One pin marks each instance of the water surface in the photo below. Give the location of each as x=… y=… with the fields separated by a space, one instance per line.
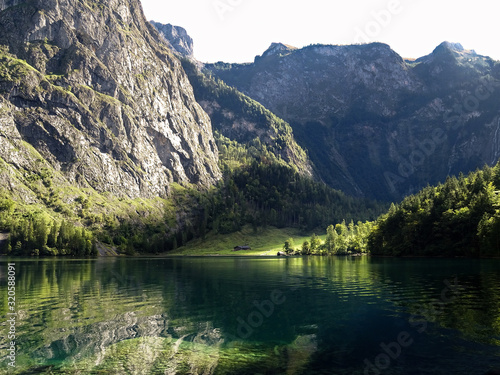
x=224 y=315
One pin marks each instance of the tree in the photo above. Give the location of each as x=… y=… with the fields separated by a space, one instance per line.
x=331 y=239
x=52 y=238
x=41 y=230
x=288 y=246
x=341 y=240
x=315 y=242
x=306 y=248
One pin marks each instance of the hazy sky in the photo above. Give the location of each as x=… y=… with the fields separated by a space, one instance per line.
x=238 y=30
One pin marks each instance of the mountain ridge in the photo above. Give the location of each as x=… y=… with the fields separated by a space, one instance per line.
x=177 y=38
x=241 y=119
x=362 y=111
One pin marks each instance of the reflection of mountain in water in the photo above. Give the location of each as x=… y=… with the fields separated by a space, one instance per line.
x=180 y=315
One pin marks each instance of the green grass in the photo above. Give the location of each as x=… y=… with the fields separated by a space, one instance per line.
x=263 y=242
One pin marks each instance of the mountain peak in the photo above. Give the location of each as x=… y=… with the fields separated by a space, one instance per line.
x=457 y=47
x=448 y=52
x=278 y=49
x=177 y=38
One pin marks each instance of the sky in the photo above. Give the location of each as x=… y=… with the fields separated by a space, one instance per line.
x=238 y=30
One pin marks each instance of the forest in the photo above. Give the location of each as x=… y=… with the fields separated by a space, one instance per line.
x=256 y=189
x=458 y=218
x=37 y=233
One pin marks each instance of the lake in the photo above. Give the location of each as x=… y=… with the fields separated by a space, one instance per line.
x=253 y=315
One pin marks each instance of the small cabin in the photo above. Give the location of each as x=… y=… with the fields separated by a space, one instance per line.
x=244 y=247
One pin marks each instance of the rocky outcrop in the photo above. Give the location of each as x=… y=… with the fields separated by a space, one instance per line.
x=177 y=38
x=88 y=89
x=375 y=125
x=242 y=119
x=278 y=49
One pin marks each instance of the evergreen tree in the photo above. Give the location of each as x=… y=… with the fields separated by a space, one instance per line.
x=331 y=239
x=288 y=246
x=315 y=242
x=306 y=248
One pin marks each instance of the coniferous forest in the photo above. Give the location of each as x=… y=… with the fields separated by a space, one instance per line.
x=460 y=217
x=260 y=194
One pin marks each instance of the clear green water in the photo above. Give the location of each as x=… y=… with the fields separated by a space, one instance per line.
x=225 y=315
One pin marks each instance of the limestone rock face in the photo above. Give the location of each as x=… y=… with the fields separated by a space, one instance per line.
x=90 y=88
x=177 y=37
x=233 y=114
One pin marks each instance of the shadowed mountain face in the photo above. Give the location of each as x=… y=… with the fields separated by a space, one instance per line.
x=88 y=89
x=374 y=124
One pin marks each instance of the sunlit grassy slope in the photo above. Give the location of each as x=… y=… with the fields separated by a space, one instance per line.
x=263 y=242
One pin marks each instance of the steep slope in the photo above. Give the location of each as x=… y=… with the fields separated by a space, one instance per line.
x=89 y=91
x=177 y=38
x=235 y=115
x=247 y=122
x=374 y=124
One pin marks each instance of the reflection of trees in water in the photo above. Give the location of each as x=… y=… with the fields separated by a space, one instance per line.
x=105 y=314
x=180 y=314
x=425 y=289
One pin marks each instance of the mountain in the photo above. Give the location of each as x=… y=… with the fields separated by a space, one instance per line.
x=177 y=38
x=236 y=116
x=104 y=147
x=376 y=125
x=277 y=49
x=243 y=120
x=90 y=92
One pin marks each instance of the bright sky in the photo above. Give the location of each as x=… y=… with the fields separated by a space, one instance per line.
x=238 y=30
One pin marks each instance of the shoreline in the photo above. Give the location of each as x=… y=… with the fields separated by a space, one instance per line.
x=156 y=256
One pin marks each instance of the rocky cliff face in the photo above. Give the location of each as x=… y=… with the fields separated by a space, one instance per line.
x=374 y=124
x=89 y=87
x=234 y=115
x=177 y=38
